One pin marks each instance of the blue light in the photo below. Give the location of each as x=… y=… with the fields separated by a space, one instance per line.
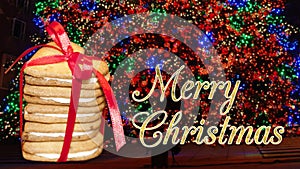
x=89 y=5
x=242 y=86
x=6 y=108
x=210 y=36
x=284 y=41
x=279 y=30
x=205 y=40
x=38 y=22
x=146 y=5
x=238 y=3
x=276 y=29
x=55 y=17
x=277 y=11
x=153 y=61
x=282 y=37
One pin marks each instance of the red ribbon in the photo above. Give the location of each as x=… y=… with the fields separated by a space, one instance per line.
x=74 y=59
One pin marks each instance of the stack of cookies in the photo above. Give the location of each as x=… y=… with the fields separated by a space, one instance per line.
x=47 y=92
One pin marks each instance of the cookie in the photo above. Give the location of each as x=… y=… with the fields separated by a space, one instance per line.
x=54 y=109
x=60 y=118
x=63 y=92
x=89 y=102
x=92 y=83
x=51 y=157
x=61 y=127
x=59 y=70
x=50 y=117
x=50 y=151
x=40 y=136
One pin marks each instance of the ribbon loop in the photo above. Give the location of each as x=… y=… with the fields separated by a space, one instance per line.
x=60 y=37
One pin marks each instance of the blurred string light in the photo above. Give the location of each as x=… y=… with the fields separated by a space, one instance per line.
x=9 y=120
x=252 y=38
x=89 y=5
x=55 y=17
x=153 y=61
x=281 y=30
x=38 y=22
x=238 y=3
x=210 y=36
x=249 y=6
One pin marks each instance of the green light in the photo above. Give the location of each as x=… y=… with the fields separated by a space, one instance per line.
x=286 y=72
x=250 y=7
x=245 y=40
x=42 y=5
x=74 y=33
x=236 y=22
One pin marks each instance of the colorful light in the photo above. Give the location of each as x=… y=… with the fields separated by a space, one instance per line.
x=251 y=37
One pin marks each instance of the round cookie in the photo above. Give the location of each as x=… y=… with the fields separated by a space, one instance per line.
x=55 y=109
x=60 y=92
x=61 y=127
x=60 y=102
x=92 y=83
x=51 y=117
x=77 y=136
x=50 y=151
x=60 y=118
x=34 y=157
x=59 y=70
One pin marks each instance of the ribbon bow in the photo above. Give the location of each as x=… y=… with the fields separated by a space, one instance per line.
x=81 y=67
